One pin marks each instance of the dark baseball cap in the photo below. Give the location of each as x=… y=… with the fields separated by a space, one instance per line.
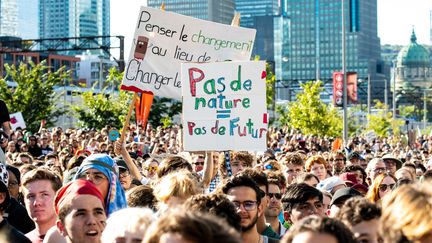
x=121 y=164
x=344 y=193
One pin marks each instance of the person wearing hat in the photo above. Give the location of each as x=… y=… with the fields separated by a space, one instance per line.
x=7 y=232
x=392 y=164
x=354 y=158
x=102 y=170
x=339 y=198
x=81 y=213
x=124 y=174
x=331 y=184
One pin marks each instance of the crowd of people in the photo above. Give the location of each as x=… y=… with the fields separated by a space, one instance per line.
x=83 y=185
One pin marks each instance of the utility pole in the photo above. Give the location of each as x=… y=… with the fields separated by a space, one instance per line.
x=345 y=103
x=369 y=96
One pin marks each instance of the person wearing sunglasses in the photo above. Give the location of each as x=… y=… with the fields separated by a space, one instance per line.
x=150 y=168
x=381 y=186
x=274 y=207
x=198 y=162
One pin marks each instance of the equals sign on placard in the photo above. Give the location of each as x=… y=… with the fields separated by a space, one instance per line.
x=223 y=114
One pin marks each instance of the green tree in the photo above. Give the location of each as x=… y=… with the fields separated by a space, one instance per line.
x=311 y=115
x=163 y=110
x=108 y=107
x=34 y=93
x=382 y=123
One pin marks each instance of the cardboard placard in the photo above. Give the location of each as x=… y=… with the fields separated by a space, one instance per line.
x=163 y=40
x=224 y=106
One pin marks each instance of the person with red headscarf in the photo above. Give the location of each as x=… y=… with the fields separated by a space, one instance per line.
x=81 y=212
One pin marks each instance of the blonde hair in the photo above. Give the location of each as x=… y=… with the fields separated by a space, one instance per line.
x=182 y=184
x=407 y=213
x=127 y=220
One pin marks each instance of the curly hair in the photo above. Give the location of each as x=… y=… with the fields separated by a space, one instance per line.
x=293 y=158
x=215 y=204
x=141 y=196
x=356 y=210
x=239 y=155
x=193 y=227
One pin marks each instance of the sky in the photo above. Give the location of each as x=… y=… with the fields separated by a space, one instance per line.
x=396 y=19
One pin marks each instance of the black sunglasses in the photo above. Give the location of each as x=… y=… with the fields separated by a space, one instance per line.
x=278 y=196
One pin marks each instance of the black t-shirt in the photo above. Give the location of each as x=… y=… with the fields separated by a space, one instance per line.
x=4 y=112
x=17 y=216
x=10 y=234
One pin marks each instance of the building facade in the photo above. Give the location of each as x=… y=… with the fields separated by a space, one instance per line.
x=413 y=71
x=221 y=11
x=74 y=18
x=249 y=9
x=92 y=70
x=316 y=41
x=8 y=18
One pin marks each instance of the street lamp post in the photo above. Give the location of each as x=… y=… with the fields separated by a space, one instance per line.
x=369 y=97
x=394 y=90
x=345 y=103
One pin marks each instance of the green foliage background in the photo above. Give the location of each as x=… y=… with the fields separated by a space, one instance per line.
x=34 y=94
x=310 y=114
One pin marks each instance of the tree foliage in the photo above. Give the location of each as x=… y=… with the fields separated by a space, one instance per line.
x=106 y=107
x=110 y=108
x=34 y=94
x=382 y=123
x=311 y=115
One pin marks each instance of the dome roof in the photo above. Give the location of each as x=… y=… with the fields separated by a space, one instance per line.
x=413 y=54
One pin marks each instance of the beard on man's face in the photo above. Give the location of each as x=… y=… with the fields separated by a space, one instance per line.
x=251 y=225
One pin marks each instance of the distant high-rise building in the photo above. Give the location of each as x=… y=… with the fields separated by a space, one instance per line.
x=74 y=18
x=316 y=40
x=269 y=18
x=220 y=11
x=249 y=9
x=8 y=18
x=19 y=18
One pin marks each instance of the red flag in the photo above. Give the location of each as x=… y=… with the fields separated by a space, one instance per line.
x=142 y=108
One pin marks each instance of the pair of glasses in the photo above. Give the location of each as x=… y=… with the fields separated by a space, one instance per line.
x=151 y=168
x=379 y=170
x=384 y=187
x=278 y=196
x=124 y=175
x=198 y=163
x=247 y=205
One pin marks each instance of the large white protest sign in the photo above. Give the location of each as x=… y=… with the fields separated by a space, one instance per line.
x=17 y=121
x=224 y=106
x=164 y=40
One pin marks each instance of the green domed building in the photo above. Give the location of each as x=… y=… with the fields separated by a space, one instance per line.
x=413 y=68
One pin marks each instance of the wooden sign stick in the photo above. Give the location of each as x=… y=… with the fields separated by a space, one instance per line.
x=126 y=123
